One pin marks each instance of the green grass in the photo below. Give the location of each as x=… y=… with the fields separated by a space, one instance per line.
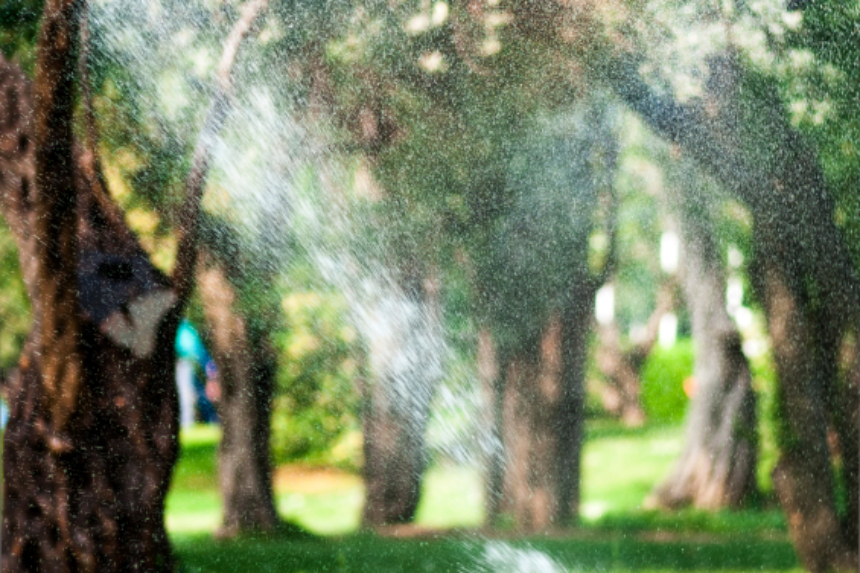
x=361 y=553
x=620 y=467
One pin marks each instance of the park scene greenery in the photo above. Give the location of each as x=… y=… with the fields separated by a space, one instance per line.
x=501 y=285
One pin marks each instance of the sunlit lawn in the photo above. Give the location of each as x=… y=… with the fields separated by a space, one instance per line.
x=619 y=469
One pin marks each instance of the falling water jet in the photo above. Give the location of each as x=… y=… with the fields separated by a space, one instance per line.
x=272 y=173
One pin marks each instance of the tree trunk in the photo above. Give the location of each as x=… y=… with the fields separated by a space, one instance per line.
x=804 y=275
x=91 y=439
x=803 y=478
x=542 y=424
x=717 y=466
x=92 y=435
x=848 y=427
x=405 y=365
x=246 y=369
x=536 y=291
x=491 y=421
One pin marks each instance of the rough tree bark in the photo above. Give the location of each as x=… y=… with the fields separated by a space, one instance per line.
x=542 y=422
x=91 y=439
x=717 y=466
x=404 y=367
x=92 y=434
x=246 y=369
x=803 y=275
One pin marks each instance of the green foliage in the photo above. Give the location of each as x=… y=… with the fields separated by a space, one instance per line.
x=19 y=23
x=14 y=303
x=317 y=399
x=639 y=224
x=766 y=387
x=823 y=94
x=663 y=376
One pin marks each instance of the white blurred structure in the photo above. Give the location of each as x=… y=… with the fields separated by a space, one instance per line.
x=669 y=249
x=734 y=295
x=604 y=304
x=736 y=258
x=668 y=332
x=187 y=394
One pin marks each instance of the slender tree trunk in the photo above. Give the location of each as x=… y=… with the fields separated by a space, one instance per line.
x=492 y=447
x=717 y=466
x=246 y=369
x=404 y=368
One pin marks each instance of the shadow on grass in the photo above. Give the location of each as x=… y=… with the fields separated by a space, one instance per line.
x=359 y=553
x=691 y=521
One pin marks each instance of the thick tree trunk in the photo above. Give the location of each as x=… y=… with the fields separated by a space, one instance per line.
x=246 y=369
x=404 y=368
x=92 y=435
x=537 y=294
x=91 y=439
x=717 y=466
x=804 y=275
x=803 y=478
x=394 y=462
x=542 y=424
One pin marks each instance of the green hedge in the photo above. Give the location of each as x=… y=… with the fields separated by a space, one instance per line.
x=663 y=376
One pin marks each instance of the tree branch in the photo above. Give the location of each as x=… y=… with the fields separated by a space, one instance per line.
x=186 y=256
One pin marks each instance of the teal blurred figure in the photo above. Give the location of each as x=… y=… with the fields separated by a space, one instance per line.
x=191 y=361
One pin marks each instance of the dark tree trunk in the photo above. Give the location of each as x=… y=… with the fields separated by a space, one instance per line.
x=404 y=369
x=92 y=434
x=717 y=466
x=542 y=424
x=803 y=478
x=91 y=439
x=394 y=462
x=246 y=369
x=804 y=275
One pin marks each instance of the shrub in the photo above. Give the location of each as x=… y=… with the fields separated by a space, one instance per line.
x=663 y=376
x=316 y=401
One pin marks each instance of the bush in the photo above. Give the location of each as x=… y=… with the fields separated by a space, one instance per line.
x=316 y=402
x=663 y=376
